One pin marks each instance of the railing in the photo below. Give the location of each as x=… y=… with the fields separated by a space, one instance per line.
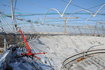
x=70 y=60
x=71 y=30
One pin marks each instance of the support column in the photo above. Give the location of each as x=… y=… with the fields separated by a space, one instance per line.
x=5 y=42
x=15 y=38
x=65 y=25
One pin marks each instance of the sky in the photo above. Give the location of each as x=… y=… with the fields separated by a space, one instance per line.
x=42 y=6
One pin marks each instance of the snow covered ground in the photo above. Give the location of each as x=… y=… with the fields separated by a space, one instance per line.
x=59 y=48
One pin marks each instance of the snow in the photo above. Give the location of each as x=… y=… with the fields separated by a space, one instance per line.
x=60 y=47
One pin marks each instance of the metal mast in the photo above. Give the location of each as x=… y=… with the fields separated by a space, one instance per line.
x=13 y=18
x=12 y=14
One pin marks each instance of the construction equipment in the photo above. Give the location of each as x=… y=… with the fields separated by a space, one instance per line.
x=29 y=52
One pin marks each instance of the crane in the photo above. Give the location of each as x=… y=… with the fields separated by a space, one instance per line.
x=28 y=48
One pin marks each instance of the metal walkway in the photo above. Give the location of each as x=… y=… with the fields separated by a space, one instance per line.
x=93 y=60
